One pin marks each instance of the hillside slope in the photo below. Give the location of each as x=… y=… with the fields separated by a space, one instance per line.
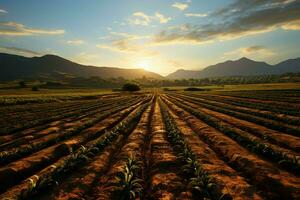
x=241 y=67
x=17 y=67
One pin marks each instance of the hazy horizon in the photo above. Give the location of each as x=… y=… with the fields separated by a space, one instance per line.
x=159 y=36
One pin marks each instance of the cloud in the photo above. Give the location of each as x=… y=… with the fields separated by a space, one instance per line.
x=294 y=25
x=161 y=18
x=257 y=51
x=254 y=49
x=128 y=43
x=180 y=6
x=244 y=6
x=3 y=11
x=128 y=36
x=20 y=51
x=75 y=42
x=196 y=15
x=140 y=18
x=87 y=58
x=121 y=45
x=17 y=29
x=249 y=18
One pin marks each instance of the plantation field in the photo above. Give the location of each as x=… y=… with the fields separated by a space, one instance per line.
x=218 y=145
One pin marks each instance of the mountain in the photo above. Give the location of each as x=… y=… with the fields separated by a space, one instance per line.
x=241 y=67
x=18 y=67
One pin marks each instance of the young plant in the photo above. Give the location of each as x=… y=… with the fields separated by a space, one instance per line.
x=128 y=183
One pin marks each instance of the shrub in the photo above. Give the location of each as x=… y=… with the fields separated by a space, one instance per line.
x=169 y=89
x=35 y=88
x=22 y=84
x=195 y=89
x=131 y=87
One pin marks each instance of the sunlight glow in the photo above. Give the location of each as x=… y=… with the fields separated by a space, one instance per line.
x=145 y=64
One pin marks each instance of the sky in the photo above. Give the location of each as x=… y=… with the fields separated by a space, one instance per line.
x=158 y=35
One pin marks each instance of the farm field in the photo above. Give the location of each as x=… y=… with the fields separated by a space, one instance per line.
x=217 y=145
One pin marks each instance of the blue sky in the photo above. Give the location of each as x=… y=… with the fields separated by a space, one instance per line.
x=160 y=36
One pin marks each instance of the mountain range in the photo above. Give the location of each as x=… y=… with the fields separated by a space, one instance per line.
x=18 y=67
x=241 y=67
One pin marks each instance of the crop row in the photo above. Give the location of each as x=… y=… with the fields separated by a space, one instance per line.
x=265 y=176
x=25 y=136
x=123 y=178
x=293 y=130
x=272 y=106
x=268 y=135
x=199 y=178
x=5 y=101
x=8 y=156
x=78 y=158
x=46 y=117
x=249 y=108
x=282 y=96
x=39 y=108
x=288 y=162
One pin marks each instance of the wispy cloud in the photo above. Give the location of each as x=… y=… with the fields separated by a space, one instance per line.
x=257 y=51
x=17 y=29
x=87 y=58
x=180 y=6
x=240 y=19
x=294 y=25
x=196 y=14
x=20 y=51
x=120 y=46
x=75 y=42
x=128 y=36
x=140 y=18
x=128 y=43
x=3 y=11
x=161 y=18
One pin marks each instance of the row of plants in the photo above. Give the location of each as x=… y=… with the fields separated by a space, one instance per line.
x=128 y=184
x=19 y=139
x=235 y=106
x=288 y=162
x=54 y=106
x=78 y=113
x=37 y=108
x=273 y=106
x=51 y=175
x=48 y=117
x=22 y=137
x=18 y=120
x=266 y=135
x=16 y=153
x=16 y=100
x=202 y=185
x=258 y=120
x=282 y=96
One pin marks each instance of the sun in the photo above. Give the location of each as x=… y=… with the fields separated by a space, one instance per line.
x=150 y=64
x=145 y=64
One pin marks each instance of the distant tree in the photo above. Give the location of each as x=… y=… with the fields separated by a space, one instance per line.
x=22 y=84
x=131 y=87
x=53 y=83
x=195 y=89
x=35 y=88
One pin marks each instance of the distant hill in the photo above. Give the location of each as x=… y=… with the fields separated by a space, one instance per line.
x=18 y=67
x=241 y=67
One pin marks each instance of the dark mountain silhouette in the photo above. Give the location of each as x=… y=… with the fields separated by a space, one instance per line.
x=17 y=67
x=241 y=67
